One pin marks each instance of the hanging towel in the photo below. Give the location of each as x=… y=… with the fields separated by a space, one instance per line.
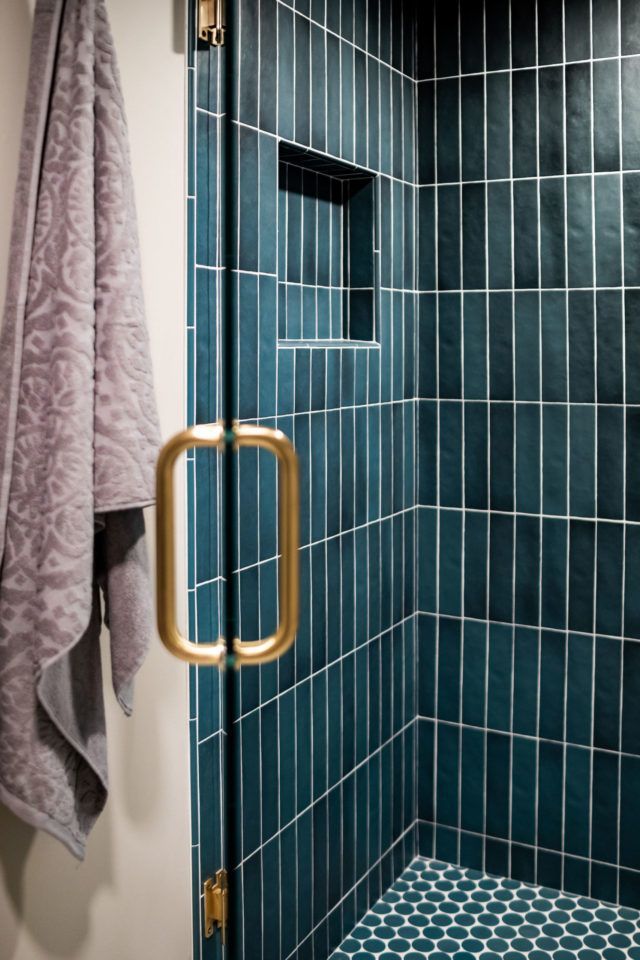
x=78 y=431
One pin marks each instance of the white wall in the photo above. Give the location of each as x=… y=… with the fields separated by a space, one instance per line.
x=130 y=900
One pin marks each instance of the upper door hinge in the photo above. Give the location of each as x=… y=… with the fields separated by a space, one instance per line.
x=216 y=905
x=212 y=22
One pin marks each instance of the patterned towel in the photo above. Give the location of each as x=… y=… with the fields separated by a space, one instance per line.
x=78 y=431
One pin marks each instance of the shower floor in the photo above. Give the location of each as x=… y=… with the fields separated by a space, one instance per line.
x=443 y=912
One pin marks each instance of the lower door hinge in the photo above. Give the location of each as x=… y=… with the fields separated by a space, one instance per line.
x=212 y=22
x=216 y=905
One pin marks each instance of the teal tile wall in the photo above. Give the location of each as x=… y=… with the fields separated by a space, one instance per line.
x=528 y=432
x=326 y=737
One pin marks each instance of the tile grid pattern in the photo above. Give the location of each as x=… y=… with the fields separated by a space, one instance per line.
x=528 y=432
x=326 y=737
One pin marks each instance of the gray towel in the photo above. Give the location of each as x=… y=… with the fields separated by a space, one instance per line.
x=78 y=430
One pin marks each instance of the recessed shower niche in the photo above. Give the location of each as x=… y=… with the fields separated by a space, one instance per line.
x=326 y=248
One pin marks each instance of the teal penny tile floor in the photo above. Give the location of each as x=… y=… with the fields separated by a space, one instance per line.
x=442 y=912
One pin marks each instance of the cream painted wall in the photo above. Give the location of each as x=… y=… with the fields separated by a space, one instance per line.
x=130 y=900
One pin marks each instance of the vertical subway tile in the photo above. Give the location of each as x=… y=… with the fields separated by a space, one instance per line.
x=607 y=231
x=499 y=252
x=609 y=578
x=497 y=34
x=552 y=233
x=551 y=105
x=498 y=126
x=550 y=32
x=471 y=37
x=605 y=22
x=525 y=224
x=629 y=27
x=579 y=232
x=523 y=34
x=577 y=37
x=606 y=139
x=578 y=117
x=631 y=210
x=524 y=123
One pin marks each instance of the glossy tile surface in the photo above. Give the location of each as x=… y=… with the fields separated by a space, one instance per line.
x=528 y=431
x=439 y=911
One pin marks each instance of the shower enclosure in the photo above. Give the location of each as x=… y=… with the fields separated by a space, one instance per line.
x=414 y=248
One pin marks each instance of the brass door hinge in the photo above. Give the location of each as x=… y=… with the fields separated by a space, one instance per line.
x=212 y=22
x=216 y=905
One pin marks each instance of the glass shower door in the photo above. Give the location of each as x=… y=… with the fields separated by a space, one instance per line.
x=320 y=329
x=302 y=322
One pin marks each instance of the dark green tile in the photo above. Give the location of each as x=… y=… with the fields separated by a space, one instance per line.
x=447 y=785
x=550 y=32
x=550 y=773
x=523 y=33
x=501 y=567
x=551 y=134
x=609 y=344
x=576 y=811
x=631 y=211
x=604 y=799
x=605 y=24
x=554 y=459
x=449 y=669
x=578 y=118
x=527 y=477
x=525 y=693
x=499 y=677
x=527 y=325
x=500 y=346
x=498 y=778
x=523 y=810
x=476 y=454
x=497 y=34
x=498 y=126
x=525 y=152
x=609 y=578
x=450 y=562
x=448 y=145
x=527 y=562
x=475 y=345
x=582 y=461
x=473 y=681
x=499 y=253
x=553 y=668
x=607 y=693
x=610 y=462
x=579 y=232
x=577 y=37
x=607 y=231
x=472 y=781
x=629 y=27
x=579 y=689
x=581 y=574
x=501 y=435
x=553 y=585
x=473 y=236
x=446 y=33
x=525 y=225
x=471 y=37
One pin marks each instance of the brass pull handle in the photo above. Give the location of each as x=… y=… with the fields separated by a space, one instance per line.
x=270 y=648
x=244 y=652
x=203 y=654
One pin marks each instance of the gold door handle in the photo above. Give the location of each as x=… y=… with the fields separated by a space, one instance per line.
x=244 y=651
x=270 y=648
